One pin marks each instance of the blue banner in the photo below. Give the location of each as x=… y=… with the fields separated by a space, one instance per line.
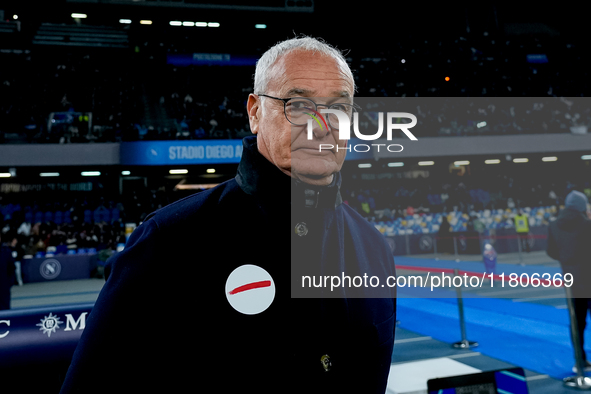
x=157 y=153
x=537 y=58
x=207 y=59
x=153 y=153
x=41 y=335
x=58 y=267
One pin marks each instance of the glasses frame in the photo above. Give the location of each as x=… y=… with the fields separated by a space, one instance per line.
x=356 y=108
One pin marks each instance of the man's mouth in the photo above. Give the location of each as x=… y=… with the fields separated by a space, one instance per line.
x=316 y=149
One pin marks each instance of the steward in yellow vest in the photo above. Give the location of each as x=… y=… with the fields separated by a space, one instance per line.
x=522 y=229
x=521 y=223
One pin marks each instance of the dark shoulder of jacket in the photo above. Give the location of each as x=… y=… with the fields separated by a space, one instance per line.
x=144 y=234
x=194 y=206
x=363 y=227
x=586 y=225
x=175 y=218
x=552 y=245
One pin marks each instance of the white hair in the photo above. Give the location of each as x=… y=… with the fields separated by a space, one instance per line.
x=264 y=64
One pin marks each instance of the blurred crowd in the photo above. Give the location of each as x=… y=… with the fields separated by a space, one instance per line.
x=127 y=102
x=422 y=196
x=84 y=220
x=34 y=84
x=73 y=221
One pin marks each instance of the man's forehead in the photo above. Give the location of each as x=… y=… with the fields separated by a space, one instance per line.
x=306 y=74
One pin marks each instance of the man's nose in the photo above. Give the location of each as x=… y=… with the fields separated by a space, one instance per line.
x=317 y=127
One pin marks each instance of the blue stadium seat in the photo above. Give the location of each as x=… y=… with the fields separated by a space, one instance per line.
x=102 y=214
x=58 y=217
x=114 y=215
x=200 y=133
x=28 y=215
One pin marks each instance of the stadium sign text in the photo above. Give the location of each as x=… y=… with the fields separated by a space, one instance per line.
x=204 y=152
x=49 y=324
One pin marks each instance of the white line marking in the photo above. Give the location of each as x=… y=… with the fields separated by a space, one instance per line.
x=411 y=340
x=514 y=290
x=537 y=298
x=462 y=355
x=537 y=377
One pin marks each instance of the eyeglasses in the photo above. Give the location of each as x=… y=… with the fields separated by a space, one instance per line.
x=299 y=109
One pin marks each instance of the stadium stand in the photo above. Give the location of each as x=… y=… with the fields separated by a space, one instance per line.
x=183 y=102
x=65 y=82
x=74 y=35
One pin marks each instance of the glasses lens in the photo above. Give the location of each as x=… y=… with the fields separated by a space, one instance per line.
x=333 y=119
x=298 y=111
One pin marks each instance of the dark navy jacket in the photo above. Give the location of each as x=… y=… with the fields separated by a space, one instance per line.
x=163 y=320
x=568 y=242
x=7 y=276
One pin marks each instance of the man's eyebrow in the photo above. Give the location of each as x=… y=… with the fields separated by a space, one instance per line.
x=301 y=92
x=340 y=93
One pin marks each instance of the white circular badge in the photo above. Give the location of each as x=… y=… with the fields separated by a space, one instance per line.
x=250 y=289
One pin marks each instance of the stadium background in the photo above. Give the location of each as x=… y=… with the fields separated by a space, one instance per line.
x=91 y=104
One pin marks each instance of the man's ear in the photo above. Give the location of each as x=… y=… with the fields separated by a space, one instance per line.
x=253 y=105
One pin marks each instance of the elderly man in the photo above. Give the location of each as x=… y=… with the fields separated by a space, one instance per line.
x=239 y=319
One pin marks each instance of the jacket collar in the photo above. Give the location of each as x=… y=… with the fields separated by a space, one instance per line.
x=260 y=178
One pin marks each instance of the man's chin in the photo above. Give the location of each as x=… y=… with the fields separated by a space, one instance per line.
x=314 y=180
x=314 y=171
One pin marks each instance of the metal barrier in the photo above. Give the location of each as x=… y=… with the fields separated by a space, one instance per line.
x=579 y=381
x=464 y=343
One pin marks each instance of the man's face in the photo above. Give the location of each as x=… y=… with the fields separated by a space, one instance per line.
x=300 y=74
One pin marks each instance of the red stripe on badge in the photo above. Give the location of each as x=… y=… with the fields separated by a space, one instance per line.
x=250 y=286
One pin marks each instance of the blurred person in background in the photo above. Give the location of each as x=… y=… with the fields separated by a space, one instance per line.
x=7 y=274
x=522 y=229
x=569 y=242
x=445 y=243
